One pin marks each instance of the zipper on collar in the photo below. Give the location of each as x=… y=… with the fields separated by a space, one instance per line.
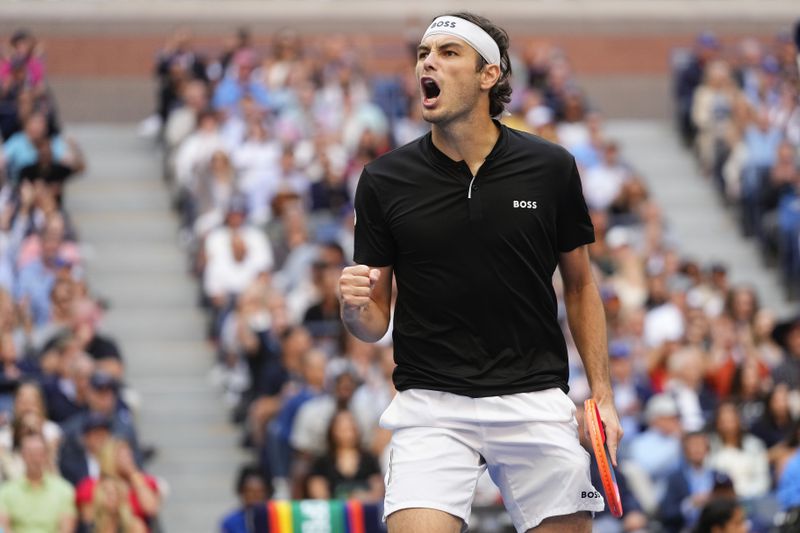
x=474 y=200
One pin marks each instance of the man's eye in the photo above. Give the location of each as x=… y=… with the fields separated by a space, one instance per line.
x=450 y=53
x=423 y=55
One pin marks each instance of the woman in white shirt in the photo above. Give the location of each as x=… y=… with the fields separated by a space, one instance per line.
x=739 y=454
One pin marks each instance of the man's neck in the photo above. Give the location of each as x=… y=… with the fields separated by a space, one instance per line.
x=470 y=139
x=35 y=479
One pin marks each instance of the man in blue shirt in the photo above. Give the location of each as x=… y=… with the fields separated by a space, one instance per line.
x=241 y=82
x=252 y=491
x=20 y=149
x=689 y=487
x=36 y=279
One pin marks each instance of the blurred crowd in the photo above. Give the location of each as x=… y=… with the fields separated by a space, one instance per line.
x=264 y=144
x=70 y=459
x=737 y=107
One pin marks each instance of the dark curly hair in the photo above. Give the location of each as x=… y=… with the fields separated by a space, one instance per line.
x=500 y=94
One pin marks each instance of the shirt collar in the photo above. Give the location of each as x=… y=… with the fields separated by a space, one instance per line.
x=439 y=157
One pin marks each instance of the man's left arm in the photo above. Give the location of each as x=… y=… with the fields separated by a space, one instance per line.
x=587 y=322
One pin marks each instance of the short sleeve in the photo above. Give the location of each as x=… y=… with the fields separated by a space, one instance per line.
x=85 y=491
x=374 y=245
x=574 y=224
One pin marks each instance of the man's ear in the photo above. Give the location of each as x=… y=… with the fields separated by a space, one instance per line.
x=490 y=75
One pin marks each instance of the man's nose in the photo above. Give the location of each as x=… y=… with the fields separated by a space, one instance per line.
x=430 y=61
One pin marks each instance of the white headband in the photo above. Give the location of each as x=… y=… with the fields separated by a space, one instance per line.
x=473 y=34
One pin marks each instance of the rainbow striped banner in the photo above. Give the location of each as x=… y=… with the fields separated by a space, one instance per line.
x=319 y=516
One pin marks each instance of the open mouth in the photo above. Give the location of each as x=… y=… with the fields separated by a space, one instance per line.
x=430 y=89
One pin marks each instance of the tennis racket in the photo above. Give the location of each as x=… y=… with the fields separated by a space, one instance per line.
x=598 y=437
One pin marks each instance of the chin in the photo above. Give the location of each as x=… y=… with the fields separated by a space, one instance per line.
x=434 y=116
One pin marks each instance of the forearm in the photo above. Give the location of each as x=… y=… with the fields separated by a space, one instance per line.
x=66 y=524
x=5 y=522
x=587 y=323
x=368 y=323
x=147 y=497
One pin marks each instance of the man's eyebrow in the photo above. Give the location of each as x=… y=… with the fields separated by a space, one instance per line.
x=446 y=44
x=451 y=44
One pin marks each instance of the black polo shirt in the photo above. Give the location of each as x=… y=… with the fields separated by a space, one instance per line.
x=474 y=257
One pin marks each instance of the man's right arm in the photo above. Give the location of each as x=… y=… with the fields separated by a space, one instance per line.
x=366 y=297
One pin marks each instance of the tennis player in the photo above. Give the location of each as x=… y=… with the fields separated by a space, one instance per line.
x=472 y=220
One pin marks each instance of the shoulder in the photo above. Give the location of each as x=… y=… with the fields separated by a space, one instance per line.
x=520 y=142
x=12 y=486
x=233 y=521
x=399 y=158
x=18 y=139
x=61 y=485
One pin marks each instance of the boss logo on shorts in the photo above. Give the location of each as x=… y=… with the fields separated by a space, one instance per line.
x=524 y=204
x=590 y=494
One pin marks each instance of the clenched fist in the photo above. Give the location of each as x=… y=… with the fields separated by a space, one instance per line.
x=356 y=284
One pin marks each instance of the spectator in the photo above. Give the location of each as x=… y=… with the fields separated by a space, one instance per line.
x=314 y=417
x=67 y=392
x=655 y=453
x=722 y=515
x=37 y=278
x=689 y=487
x=51 y=172
x=24 y=49
x=28 y=399
x=739 y=454
x=761 y=140
x=687 y=386
x=112 y=514
x=194 y=153
x=748 y=389
x=139 y=489
x=20 y=149
x=346 y=471
x=252 y=490
x=183 y=120
x=603 y=183
x=39 y=501
x=689 y=78
x=788 y=473
x=322 y=319
x=12 y=462
x=257 y=160
x=103 y=349
x=631 y=392
x=279 y=431
x=242 y=80
x=176 y=63
x=103 y=399
x=80 y=459
x=777 y=419
x=212 y=193
x=787 y=335
x=715 y=108
x=236 y=254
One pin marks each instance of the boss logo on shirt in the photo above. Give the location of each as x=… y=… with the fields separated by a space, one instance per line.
x=590 y=494
x=524 y=204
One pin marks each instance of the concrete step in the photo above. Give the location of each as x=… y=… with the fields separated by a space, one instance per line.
x=122 y=212
x=705 y=229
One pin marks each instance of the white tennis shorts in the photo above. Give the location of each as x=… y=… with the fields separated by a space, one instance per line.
x=443 y=442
